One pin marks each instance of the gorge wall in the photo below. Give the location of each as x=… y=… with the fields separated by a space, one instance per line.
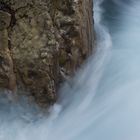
x=42 y=43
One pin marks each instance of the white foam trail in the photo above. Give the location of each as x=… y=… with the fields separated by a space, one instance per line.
x=102 y=102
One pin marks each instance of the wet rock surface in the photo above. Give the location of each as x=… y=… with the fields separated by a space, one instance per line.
x=42 y=42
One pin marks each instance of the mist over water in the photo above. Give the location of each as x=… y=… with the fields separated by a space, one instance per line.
x=103 y=100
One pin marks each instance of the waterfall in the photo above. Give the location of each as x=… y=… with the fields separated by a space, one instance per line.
x=103 y=100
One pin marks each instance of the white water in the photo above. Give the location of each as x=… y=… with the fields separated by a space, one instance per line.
x=104 y=101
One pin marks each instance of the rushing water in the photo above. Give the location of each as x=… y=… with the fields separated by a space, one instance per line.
x=103 y=101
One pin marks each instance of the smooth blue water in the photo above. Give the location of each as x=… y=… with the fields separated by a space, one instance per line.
x=104 y=101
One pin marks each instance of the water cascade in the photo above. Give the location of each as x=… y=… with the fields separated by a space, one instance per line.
x=103 y=100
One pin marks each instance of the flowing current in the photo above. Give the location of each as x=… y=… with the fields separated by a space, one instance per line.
x=103 y=100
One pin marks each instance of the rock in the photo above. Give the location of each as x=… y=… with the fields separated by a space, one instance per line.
x=39 y=38
x=5 y=19
x=7 y=76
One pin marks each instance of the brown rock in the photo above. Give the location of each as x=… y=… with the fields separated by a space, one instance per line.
x=41 y=41
x=7 y=76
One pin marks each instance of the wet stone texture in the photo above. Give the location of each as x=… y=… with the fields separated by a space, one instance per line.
x=42 y=43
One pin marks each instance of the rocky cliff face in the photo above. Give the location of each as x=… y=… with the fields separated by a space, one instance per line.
x=42 y=43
